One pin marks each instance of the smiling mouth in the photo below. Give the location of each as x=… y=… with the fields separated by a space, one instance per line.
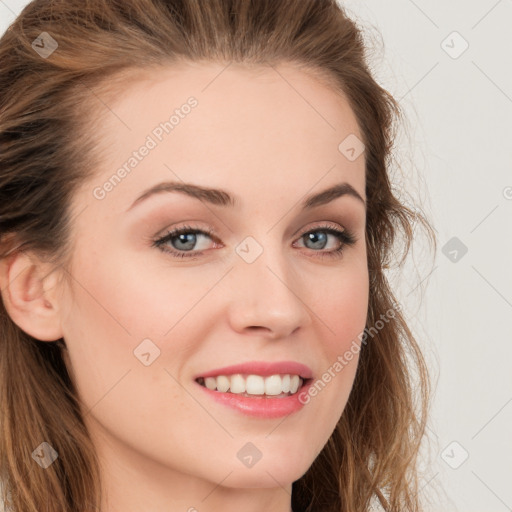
x=250 y=385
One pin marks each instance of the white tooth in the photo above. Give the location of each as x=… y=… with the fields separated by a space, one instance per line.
x=273 y=385
x=210 y=382
x=285 y=383
x=222 y=383
x=255 y=385
x=237 y=384
x=294 y=383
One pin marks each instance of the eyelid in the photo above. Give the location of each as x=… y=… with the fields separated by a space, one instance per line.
x=210 y=232
x=319 y=225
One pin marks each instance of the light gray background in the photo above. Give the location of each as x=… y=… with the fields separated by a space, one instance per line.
x=456 y=160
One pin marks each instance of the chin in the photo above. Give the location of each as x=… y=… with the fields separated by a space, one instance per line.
x=276 y=470
x=261 y=479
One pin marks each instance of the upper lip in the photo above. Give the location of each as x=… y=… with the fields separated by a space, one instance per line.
x=264 y=368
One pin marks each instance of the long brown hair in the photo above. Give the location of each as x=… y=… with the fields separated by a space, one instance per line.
x=49 y=105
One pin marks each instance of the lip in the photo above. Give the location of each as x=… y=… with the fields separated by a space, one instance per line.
x=260 y=406
x=263 y=368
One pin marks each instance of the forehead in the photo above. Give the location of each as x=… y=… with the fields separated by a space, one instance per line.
x=280 y=125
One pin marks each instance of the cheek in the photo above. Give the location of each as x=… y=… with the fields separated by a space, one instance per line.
x=343 y=307
x=349 y=314
x=106 y=321
x=134 y=299
x=346 y=308
x=113 y=307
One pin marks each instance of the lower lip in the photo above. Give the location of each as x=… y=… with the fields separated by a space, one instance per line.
x=260 y=406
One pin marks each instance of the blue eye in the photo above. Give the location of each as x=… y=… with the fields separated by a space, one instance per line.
x=180 y=242
x=186 y=238
x=319 y=238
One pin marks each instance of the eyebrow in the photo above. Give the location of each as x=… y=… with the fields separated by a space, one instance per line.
x=221 y=197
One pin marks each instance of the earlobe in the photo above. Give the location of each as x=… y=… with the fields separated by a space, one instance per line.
x=29 y=293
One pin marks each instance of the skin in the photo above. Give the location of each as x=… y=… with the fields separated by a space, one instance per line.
x=163 y=444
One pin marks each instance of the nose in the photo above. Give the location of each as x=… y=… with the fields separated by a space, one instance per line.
x=267 y=297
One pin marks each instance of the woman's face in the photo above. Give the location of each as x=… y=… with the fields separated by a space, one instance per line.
x=256 y=279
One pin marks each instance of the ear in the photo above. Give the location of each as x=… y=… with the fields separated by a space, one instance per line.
x=29 y=290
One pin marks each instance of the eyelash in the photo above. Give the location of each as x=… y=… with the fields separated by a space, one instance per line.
x=346 y=238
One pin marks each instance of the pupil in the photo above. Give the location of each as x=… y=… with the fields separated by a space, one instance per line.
x=314 y=238
x=183 y=239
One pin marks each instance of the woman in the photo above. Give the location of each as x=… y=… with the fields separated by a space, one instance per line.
x=196 y=216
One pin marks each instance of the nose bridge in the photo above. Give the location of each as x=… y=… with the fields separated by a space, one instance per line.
x=267 y=292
